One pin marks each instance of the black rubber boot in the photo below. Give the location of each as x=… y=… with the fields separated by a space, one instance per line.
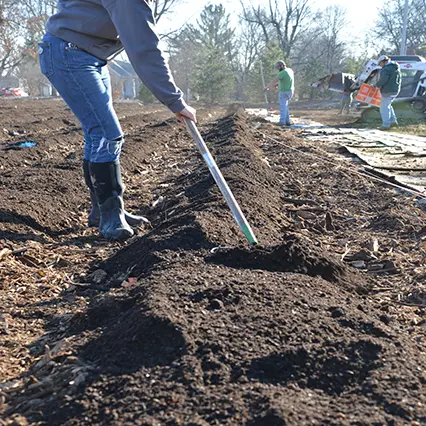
x=108 y=189
x=94 y=215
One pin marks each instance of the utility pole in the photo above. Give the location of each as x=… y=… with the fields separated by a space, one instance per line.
x=403 y=50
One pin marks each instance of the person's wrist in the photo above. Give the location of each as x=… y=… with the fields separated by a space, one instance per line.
x=178 y=106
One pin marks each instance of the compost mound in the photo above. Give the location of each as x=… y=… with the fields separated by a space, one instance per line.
x=185 y=325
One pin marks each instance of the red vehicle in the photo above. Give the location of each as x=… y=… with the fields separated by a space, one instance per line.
x=10 y=91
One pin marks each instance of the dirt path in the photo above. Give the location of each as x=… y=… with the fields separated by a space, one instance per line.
x=324 y=323
x=398 y=158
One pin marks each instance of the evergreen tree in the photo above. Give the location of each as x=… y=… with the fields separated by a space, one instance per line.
x=146 y=96
x=184 y=53
x=355 y=65
x=310 y=73
x=214 y=31
x=214 y=80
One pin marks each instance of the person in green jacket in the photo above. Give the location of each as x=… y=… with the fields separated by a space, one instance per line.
x=285 y=83
x=390 y=85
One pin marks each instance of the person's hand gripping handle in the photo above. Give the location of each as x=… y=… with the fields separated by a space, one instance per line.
x=187 y=112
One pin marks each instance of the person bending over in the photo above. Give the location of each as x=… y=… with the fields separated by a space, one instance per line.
x=80 y=38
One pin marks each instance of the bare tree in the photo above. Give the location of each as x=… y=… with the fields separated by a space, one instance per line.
x=280 y=20
x=32 y=8
x=388 y=27
x=163 y=7
x=321 y=49
x=250 y=45
x=10 y=54
x=333 y=22
x=35 y=13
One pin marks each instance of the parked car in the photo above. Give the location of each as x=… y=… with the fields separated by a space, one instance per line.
x=13 y=92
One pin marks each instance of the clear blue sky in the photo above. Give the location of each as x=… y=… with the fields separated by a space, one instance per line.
x=361 y=14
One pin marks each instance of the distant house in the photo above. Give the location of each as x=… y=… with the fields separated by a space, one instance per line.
x=125 y=82
x=29 y=77
x=124 y=79
x=46 y=89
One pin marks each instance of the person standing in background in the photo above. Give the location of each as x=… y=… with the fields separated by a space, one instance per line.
x=390 y=85
x=346 y=101
x=285 y=83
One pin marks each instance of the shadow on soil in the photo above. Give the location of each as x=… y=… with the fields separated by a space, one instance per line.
x=270 y=419
x=180 y=234
x=16 y=236
x=8 y=216
x=334 y=369
x=124 y=335
x=130 y=337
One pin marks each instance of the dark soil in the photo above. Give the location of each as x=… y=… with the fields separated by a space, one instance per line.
x=185 y=324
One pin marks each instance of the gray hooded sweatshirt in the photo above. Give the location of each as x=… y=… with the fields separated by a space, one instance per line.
x=105 y=27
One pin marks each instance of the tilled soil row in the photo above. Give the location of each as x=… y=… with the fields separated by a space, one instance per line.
x=44 y=242
x=188 y=326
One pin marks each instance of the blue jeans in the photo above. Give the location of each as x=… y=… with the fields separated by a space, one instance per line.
x=386 y=110
x=84 y=83
x=284 y=98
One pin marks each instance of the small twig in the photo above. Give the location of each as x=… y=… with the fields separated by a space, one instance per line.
x=20 y=251
x=347 y=251
x=420 y=305
x=81 y=284
x=5 y=324
x=297 y=202
x=382 y=271
x=4 y=253
x=379 y=289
